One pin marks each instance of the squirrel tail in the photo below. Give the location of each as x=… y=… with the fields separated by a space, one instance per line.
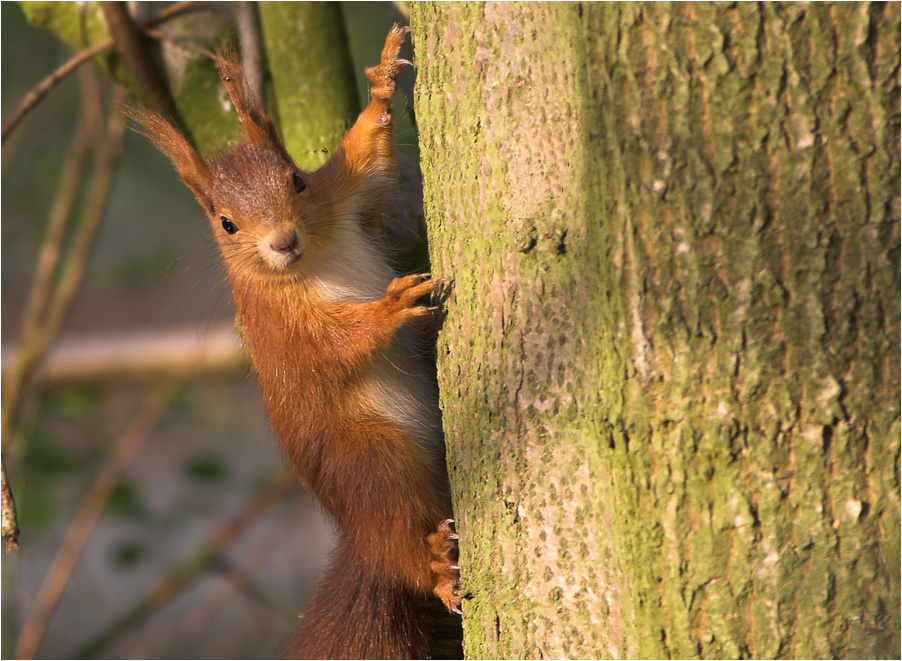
x=358 y=615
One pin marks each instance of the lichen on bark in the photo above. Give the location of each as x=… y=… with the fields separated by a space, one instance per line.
x=670 y=365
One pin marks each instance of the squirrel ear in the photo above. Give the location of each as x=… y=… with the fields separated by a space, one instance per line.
x=259 y=129
x=193 y=170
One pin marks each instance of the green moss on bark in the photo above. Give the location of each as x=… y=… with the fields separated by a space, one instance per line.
x=670 y=367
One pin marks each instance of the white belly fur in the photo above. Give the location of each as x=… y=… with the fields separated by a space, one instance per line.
x=397 y=382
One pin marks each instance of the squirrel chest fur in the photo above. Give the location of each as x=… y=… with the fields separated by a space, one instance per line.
x=332 y=335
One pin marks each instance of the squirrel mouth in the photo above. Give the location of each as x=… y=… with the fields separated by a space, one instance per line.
x=281 y=250
x=281 y=261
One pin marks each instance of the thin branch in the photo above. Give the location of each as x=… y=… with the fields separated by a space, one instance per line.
x=25 y=360
x=70 y=551
x=139 y=355
x=51 y=81
x=71 y=279
x=131 y=48
x=239 y=579
x=40 y=91
x=182 y=574
x=46 y=323
x=35 y=343
x=252 y=54
x=51 y=247
x=8 y=506
x=67 y=193
x=179 y=42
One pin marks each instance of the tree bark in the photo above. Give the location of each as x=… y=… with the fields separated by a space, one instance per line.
x=670 y=364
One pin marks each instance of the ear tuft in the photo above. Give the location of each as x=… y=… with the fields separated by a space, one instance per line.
x=193 y=169
x=259 y=129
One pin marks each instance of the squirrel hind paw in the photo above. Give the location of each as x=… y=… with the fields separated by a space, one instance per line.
x=444 y=547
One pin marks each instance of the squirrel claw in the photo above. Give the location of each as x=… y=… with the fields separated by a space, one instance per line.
x=402 y=293
x=382 y=76
x=444 y=547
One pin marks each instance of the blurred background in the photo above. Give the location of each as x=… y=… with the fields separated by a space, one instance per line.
x=156 y=518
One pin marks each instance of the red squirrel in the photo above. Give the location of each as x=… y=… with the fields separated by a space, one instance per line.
x=327 y=325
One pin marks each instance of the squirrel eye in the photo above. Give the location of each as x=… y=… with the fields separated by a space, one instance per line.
x=228 y=225
x=299 y=184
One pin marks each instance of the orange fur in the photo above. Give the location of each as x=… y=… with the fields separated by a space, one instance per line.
x=327 y=325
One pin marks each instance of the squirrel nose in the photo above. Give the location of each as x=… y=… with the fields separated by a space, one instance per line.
x=286 y=243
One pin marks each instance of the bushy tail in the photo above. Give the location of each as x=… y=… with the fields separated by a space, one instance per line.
x=356 y=615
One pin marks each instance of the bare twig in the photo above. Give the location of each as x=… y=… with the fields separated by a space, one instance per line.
x=71 y=279
x=40 y=291
x=182 y=574
x=34 y=341
x=42 y=88
x=51 y=81
x=50 y=256
x=140 y=355
x=240 y=579
x=35 y=345
x=179 y=42
x=47 y=310
x=252 y=48
x=132 y=51
x=8 y=506
x=67 y=556
x=47 y=319
x=61 y=211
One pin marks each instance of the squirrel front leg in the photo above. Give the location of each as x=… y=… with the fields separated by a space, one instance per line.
x=370 y=142
x=365 y=161
x=359 y=330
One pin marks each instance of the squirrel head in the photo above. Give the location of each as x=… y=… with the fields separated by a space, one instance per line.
x=264 y=211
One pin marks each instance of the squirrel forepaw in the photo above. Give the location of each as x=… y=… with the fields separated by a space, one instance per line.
x=443 y=543
x=382 y=76
x=402 y=293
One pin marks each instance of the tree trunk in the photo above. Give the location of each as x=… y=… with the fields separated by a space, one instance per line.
x=670 y=363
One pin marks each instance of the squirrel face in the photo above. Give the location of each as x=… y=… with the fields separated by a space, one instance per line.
x=276 y=224
x=269 y=217
x=262 y=211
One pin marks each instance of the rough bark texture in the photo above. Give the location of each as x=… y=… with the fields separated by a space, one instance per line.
x=670 y=364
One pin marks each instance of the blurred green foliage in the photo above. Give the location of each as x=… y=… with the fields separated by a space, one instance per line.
x=206 y=467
